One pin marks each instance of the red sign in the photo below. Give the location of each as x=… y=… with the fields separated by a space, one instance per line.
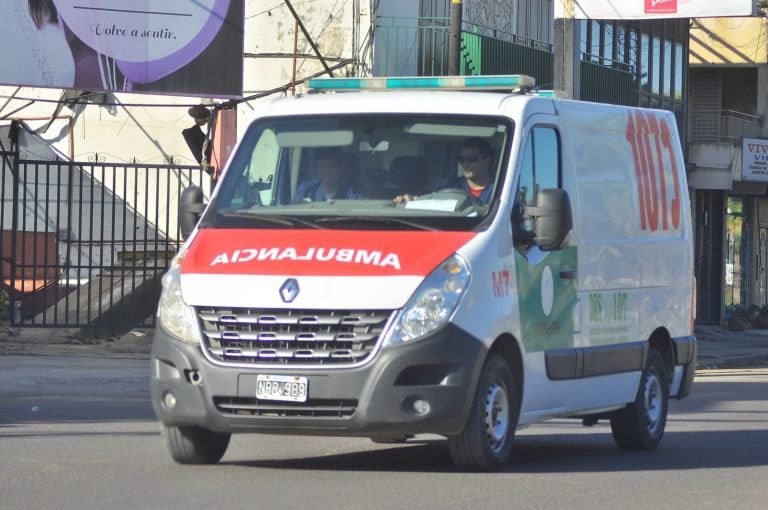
x=660 y=6
x=320 y=252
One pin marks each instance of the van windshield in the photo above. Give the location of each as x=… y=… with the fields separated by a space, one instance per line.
x=370 y=171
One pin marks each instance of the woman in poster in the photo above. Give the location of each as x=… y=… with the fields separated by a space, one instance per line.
x=175 y=47
x=37 y=53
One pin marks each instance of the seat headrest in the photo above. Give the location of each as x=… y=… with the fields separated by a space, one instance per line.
x=409 y=173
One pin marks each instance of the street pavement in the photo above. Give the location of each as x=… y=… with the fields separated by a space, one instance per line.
x=718 y=347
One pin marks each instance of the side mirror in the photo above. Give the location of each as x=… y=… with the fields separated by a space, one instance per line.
x=190 y=208
x=552 y=218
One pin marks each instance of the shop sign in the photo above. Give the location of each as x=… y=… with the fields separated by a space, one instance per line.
x=754 y=160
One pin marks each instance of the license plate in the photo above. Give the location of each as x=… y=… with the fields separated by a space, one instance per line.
x=290 y=388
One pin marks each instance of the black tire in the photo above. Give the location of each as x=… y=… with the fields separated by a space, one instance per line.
x=485 y=444
x=640 y=426
x=195 y=445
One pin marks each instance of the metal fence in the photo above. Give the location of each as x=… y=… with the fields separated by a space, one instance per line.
x=411 y=46
x=85 y=244
x=491 y=52
x=607 y=81
x=418 y=46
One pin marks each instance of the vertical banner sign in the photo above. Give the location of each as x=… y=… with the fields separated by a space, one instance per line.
x=655 y=165
x=754 y=160
x=186 y=47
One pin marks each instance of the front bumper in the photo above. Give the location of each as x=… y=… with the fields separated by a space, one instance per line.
x=376 y=399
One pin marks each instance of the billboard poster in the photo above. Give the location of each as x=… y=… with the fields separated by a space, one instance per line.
x=647 y=9
x=754 y=160
x=179 y=47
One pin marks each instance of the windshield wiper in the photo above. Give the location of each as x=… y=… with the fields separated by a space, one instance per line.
x=375 y=219
x=275 y=219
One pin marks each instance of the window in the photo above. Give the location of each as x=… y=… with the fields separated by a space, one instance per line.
x=667 y=75
x=540 y=169
x=643 y=57
x=655 y=57
x=608 y=45
x=677 y=94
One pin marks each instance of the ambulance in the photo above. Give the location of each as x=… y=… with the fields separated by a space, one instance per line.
x=409 y=304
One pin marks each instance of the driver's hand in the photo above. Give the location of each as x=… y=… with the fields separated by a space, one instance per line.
x=401 y=199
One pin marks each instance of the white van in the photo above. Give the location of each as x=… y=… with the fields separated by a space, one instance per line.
x=402 y=298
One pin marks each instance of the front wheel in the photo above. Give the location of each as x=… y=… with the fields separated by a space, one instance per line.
x=485 y=444
x=640 y=426
x=195 y=445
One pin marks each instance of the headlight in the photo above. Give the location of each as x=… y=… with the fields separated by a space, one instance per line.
x=433 y=303
x=176 y=316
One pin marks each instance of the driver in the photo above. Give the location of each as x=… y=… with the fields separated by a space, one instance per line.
x=475 y=156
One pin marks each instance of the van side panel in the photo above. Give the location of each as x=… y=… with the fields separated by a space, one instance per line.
x=632 y=229
x=635 y=255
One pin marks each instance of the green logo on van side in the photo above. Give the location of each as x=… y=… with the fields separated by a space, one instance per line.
x=547 y=296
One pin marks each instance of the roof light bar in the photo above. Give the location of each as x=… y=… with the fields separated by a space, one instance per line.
x=500 y=82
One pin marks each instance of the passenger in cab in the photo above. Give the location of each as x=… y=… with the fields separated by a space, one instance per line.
x=334 y=179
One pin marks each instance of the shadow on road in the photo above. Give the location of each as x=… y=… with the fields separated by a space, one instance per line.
x=560 y=453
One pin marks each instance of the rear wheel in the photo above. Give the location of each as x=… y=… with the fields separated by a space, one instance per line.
x=195 y=445
x=485 y=444
x=640 y=426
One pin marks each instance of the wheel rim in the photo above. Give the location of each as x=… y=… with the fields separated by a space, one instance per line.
x=496 y=416
x=653 y=400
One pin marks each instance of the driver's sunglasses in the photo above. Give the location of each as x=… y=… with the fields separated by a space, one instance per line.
x=471 y=158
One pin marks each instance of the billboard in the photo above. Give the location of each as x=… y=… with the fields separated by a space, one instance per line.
x=180 y=47
x=647 y=9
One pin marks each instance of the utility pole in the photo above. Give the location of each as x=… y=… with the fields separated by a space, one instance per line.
x=454 y=38
x=567 y=75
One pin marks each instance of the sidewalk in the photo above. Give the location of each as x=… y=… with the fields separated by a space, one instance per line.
x=718 y=348
x=721 y=348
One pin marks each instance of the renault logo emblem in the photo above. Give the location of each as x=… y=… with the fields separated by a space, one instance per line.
x=289 y=290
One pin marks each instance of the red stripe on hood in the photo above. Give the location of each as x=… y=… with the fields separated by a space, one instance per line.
x=320 y=252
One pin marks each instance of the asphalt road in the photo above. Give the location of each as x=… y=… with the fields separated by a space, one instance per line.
x=80 y=433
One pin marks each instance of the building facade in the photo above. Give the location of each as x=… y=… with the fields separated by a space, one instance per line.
x=719 y=101
x=726 y=143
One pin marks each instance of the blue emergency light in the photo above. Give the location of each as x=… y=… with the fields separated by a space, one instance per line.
x=500 y=82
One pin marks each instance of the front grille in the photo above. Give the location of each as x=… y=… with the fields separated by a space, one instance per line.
x=291 y=337
x=314 y=408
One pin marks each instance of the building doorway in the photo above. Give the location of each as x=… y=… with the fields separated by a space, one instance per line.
x=709 y=257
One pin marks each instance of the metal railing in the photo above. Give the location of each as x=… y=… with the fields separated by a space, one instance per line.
x=491 y=51
x=724 y=126
x=418 y=46
x=411 y=46
x=606 y=81
x=85 y=244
